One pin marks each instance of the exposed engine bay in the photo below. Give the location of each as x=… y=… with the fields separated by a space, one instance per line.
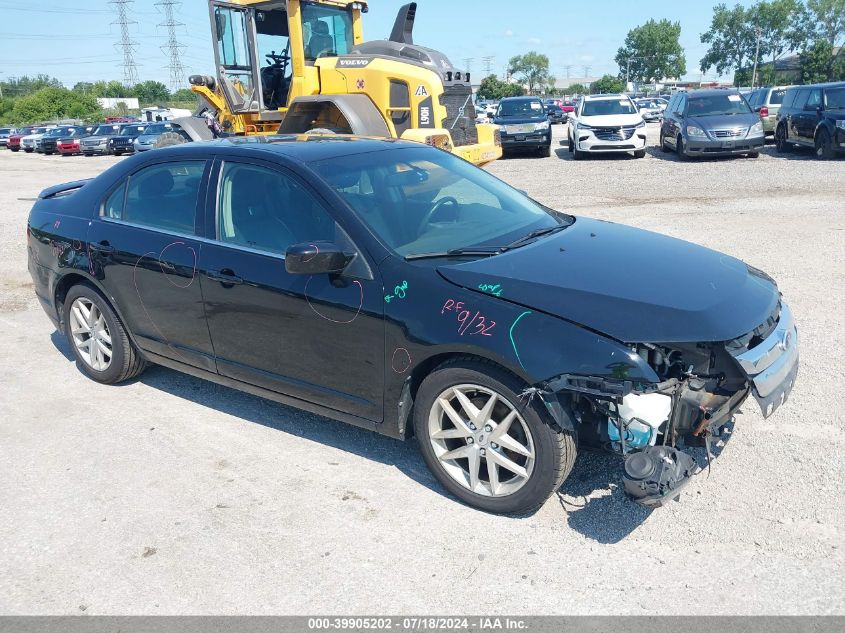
x=700 y=387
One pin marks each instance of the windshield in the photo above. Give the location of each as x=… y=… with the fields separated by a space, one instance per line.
x=107 y=130
x=604 y=107
x=38 y=130
x=521 y=108
x=714 y=105
x=57 y=132
x=5 y=130
x=423 y=200
x=835 y=99
x=327 y=31
x=158 y=128
x=132 y=130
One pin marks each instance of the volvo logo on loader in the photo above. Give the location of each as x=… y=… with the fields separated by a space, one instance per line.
x=352 y=63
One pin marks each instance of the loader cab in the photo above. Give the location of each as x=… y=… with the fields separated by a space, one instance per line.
x=265 y=50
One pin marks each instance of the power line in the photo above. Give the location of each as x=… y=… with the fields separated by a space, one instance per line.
x=173 y=47
x=130 y=69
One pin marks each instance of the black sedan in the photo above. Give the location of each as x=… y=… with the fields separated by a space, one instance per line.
x=396 y=287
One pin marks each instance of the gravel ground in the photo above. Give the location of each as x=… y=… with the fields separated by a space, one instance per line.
x=172 y=495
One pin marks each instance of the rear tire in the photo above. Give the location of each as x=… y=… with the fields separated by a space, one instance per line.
x=824 y=146
x=541 y=452
x=117 y=359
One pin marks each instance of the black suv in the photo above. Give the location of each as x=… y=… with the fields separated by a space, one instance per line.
x=813 y=116
x=124 y=143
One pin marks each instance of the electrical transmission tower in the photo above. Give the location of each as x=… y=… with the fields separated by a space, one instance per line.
x=173 y=48
x=568 y=69
x=587 y=70
x=126 y=43
x=488 y=64
x=468 y=63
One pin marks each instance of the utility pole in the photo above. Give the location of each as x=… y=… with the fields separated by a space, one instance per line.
x=488 y=64
x=130 y=69
x=173 y=47
x=758 y=31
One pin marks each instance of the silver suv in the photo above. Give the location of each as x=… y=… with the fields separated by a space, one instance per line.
x=767 y=102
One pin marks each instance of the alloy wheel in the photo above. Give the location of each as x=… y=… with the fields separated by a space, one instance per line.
x=90 y=334
x=481 y=440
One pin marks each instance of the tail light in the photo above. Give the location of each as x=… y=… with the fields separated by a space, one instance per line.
x=764 y=112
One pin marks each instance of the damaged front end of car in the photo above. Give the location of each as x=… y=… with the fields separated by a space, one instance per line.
x=699 y=389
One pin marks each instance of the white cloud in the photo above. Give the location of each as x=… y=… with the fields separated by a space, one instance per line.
x=586 y=58
x=508 y=33
x=534 y=40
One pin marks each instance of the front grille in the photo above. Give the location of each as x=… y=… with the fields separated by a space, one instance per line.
x=460 y=114
x=613 y=133
x=727 y=133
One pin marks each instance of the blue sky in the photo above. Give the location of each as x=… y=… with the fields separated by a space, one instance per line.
x=74 y=39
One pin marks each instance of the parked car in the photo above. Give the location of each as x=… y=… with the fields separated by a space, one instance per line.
x=154 y=132
x=555 y=102
x=556 y=114
x=568 y=106
x=5 y=133
x=67 y=143
x=524 y=124
x=649 y=109
x=124 y=142
x=712 y=122
x=399 y=288
x=98 y=142
x=50 y=141
x=766 y=102
x=813 y=116
x=29 y=143
x=606 y=124
x=14 y=142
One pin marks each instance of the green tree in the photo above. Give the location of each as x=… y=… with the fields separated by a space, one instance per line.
x=51 y=103
x=531 y=69
x=85 y=87
x=110 y=89
x=183 y=95
x=493 y=88
x=23 y=86
x=652 y=52
x=818 y=63
x=822 y=21
x=607 y=84
x=731 y=40
x=151 y=93
x=775 y=20
x=577 y=89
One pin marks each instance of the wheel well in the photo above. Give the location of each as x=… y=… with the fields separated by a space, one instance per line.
x=430 y=364
x=63 y=287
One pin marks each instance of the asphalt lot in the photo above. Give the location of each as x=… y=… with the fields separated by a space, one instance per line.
x=171 y=495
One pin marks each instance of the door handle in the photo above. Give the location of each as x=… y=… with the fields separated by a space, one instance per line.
x=225 y=277
x=102 y=247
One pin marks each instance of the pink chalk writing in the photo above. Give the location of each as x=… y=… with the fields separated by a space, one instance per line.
x=478 y=323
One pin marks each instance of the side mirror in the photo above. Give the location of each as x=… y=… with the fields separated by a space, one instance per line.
x=316 y=258
x=490 y=115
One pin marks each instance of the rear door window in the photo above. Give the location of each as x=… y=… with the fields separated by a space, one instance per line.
x=814 y=99
x=162 y=196
x=776 y=97
x=801 y=99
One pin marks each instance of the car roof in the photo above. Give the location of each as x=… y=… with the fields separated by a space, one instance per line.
x=830 y=84
x=524 y=98
x=300 y=148
x=711 y=92
x=613 y=96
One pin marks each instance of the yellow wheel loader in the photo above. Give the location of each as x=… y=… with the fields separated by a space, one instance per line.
x=297 y=66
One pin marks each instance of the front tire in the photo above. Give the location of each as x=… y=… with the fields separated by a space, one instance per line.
x=544 y=151
x=170 y=138
x=781 y=144
x=663 y=147
x=824 y=146
x=681 y=149
x=485 y=445
x=640 y=153
x=101 y=346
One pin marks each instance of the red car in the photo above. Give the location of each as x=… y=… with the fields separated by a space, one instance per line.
x=14 y=142
x=68 y=146
x=568 y=106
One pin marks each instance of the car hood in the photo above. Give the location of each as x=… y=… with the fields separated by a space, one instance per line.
x=630 y=284
x=610 y=120
x=31 y=137
x=723 y=121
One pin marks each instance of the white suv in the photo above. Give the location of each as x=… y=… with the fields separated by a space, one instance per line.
x=605 y=124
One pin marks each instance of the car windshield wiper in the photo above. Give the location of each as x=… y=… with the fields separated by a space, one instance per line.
x=480 y=251
x=535 y=234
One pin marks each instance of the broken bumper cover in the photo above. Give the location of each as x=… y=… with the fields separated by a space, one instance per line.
x=772 y=366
